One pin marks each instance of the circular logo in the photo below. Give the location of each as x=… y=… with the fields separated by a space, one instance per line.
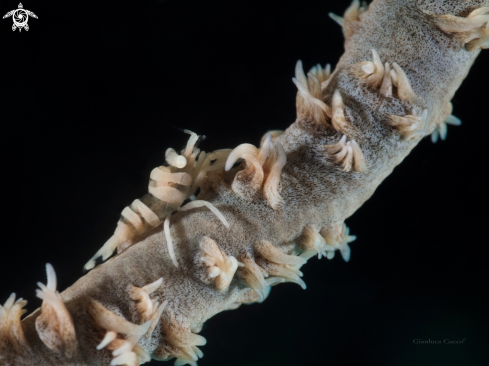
x=20 y=17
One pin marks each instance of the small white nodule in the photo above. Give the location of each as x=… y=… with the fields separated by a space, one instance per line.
x=369 y=68
x=51 y=284
x=452 y=120
x=109 y=337
x=214 y=272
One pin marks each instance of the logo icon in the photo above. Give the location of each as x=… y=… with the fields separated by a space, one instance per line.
x=20 y=17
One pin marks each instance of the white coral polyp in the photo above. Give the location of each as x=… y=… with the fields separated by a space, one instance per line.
x=342 y=243
x=220 y=267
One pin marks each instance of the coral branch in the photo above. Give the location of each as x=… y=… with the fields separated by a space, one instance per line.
x=270 y=209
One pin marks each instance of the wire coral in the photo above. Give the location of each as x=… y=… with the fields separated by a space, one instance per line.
x=260 y=212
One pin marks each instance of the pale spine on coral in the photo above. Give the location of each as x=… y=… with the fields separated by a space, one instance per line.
x=403 y=85
x=262 y=173
x=338 y=119
x=350 y=21
x=11 y=332
x=121 y=336
x=371 y=71
x=309 y=94
x=347 y=155
x=326 y=241
x=181 y=343
x=220 y=267
x=55 y=325
x=441 y=128
x=147 y=308
x=338 y=236
x=279 y=264
x=264 y=210
x=386 y=87
x=312 y=243
x=411 y=126
x=472 y=31
x=252 y=275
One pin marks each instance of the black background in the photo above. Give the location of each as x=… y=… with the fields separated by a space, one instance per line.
x=89 y=98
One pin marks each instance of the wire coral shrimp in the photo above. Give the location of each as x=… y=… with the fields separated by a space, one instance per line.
x=169 y=187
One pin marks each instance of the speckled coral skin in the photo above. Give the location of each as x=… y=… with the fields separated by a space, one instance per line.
x=315 y=191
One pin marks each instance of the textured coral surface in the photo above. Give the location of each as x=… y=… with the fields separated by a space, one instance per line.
x=314 y=190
